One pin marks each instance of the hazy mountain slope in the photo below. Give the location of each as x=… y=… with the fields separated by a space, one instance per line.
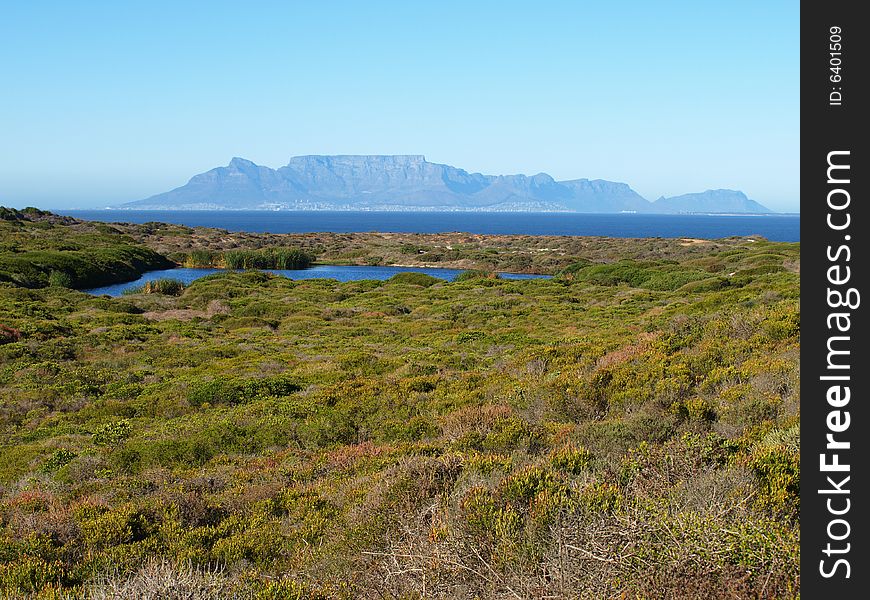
x=410 y=182
x=711 y=201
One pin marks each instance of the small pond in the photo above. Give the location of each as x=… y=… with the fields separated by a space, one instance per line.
x=341 y=273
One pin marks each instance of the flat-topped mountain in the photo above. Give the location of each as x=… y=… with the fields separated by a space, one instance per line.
x=410 y=182
x=720 y=201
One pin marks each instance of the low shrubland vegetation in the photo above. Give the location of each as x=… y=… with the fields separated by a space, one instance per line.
x=39 y=249
x=486 y=253
x=629 y=428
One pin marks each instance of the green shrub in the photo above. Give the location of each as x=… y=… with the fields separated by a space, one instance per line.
x=112 y=434
x=238 y=391
x=524 y=485
x=59 y=279
x=122 y=525
x=489 y=463
x=470 y=336
x=777 y=471
x=570 y=272
x=57 y=460
x=30 y=574
x=571 y=459
x=412 y=278
x=288 y=589
x=472 y=275
x=601 y=497
x=412 y=249
x=760 y=270
x=711 y=284
x=659 y=276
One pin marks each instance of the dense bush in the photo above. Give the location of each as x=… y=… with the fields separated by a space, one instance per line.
x=411 y=278
x=649 y=275
x=471 y=275
x=235 y=391
x=570 y=272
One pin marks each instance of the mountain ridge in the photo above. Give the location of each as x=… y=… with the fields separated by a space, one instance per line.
x=410 y=182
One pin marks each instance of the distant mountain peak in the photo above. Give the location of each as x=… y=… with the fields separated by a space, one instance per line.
x=410 y=182
x=241 y=163
x=715 y=201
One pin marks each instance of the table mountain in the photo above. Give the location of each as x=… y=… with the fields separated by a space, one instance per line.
x=405 y=182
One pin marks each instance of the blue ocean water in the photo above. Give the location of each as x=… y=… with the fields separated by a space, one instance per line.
x=782 y=228
x=341 y=273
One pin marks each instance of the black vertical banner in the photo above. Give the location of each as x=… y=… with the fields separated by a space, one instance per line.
x=835 y=227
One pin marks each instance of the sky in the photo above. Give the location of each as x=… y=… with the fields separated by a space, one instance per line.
x=108 y=102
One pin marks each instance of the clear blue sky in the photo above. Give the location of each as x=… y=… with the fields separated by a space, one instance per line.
x=106 y=102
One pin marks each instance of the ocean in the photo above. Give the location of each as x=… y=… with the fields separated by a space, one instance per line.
x=781 y=228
